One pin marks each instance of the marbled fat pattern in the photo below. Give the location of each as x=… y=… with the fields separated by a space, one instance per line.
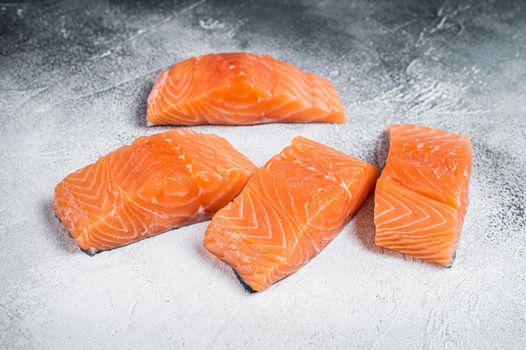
x=74 y=77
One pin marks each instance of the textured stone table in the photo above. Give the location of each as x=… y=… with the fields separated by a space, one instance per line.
x=74 y=78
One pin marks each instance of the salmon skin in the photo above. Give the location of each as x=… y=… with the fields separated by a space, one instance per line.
x=422 y=196
x=157 y=183
x=290 y=209
x=240 y=89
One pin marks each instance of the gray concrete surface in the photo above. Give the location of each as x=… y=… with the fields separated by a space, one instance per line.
x=74 y=77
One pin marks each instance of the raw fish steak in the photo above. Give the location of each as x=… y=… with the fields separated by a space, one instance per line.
x=422 y=196
x=290 y=209
x=240 y=88
x=157 y=183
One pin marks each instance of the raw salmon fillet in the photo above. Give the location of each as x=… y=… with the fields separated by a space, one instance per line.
x=290 y=209
x=422 y=196
x=157 y=183
x=240 y=88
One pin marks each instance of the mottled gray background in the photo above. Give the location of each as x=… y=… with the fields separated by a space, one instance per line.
x=74 y=77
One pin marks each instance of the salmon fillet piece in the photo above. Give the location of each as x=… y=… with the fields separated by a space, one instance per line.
x=238 y=89
x=157 y=183
x=422 y=196
x=290 y=209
